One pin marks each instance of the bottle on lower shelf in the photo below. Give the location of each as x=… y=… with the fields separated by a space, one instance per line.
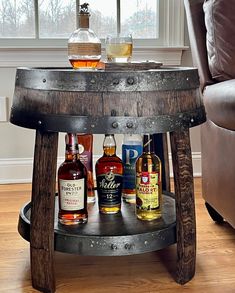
x=72 y=187
x=132 y=148
x=148 y=183
x=109 y=173
x=85 y=146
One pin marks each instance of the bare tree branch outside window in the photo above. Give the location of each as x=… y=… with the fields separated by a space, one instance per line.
x=57 y=18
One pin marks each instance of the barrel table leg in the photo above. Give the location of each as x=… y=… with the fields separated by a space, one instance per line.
x=185 y=206
x=42 y=212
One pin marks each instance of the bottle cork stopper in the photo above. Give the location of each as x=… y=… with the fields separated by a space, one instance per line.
x=83 y=21
x=84 y=16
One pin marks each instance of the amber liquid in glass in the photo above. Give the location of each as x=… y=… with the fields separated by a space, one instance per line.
x=119 y=52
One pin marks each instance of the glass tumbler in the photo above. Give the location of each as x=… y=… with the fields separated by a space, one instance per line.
x=119 y=48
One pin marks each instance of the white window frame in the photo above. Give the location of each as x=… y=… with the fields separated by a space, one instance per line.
x=43 y=52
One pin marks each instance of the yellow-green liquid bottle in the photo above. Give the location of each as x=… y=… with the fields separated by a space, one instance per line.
x=148 y=183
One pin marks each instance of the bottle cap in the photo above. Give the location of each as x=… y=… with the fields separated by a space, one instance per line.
x=71 y=142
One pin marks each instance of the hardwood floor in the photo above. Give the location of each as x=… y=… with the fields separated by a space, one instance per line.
x=150 y=272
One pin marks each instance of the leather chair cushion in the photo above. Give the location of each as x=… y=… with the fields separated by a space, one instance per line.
x=220 y=26
x=219 y=101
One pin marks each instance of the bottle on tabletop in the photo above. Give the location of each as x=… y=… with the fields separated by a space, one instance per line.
x=84 y=47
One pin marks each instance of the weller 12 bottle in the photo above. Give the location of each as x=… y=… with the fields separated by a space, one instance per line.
x=109 y=173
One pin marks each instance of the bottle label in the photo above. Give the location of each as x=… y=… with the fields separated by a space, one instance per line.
x=130 y=153
x=85 y=158
x=84 y=49
x=72 y=194
x=147 y=190
x=109 y=188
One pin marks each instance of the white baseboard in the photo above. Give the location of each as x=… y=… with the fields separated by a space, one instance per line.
x=19 y=170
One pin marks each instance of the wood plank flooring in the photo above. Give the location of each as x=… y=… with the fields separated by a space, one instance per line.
x=148 y=273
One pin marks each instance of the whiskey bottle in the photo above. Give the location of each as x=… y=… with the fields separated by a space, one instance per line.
x=84 y=47
x=132 y=148
x=148 y=183
x=72 y=189
x=109 y=172
x=85 y=147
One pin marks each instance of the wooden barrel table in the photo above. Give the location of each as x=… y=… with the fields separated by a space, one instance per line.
x=53 y=100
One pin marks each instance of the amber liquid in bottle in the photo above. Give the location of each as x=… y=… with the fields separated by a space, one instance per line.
x=79 y=63
x=72 y=189
x=148 y=183
x=109 y=173
x=85 y=146
x=84 y=47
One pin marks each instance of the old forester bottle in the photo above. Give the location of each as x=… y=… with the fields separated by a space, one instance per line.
x=72 y=189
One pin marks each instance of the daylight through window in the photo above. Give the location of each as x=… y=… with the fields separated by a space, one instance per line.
x=40 y=19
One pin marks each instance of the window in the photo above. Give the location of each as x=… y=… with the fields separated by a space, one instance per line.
x=57 y=18
x=47 y=24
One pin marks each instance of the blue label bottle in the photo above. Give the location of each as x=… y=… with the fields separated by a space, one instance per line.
x=132 y=148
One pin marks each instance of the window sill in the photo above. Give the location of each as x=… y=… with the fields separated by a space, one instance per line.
x=57 y=57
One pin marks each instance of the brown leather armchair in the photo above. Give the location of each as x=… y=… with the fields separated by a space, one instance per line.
x=211 y=26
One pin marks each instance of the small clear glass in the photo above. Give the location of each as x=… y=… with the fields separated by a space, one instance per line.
x=119 y=48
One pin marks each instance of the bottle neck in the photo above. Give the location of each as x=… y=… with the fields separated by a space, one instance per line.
x=109 y=145
x=148 y=143
x=71 y=152
x=83 y=20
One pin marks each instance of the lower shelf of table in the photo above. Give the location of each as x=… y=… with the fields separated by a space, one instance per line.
x=110 y=235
